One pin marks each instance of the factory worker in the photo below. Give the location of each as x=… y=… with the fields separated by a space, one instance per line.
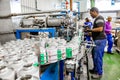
x=99 y=39
x=108 y=31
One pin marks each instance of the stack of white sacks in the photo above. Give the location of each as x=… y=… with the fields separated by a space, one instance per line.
x=17 y=57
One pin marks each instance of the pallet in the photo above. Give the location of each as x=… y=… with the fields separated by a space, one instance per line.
x=117 y=49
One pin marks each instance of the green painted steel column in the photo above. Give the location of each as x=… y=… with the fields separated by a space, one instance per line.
x=92 y=3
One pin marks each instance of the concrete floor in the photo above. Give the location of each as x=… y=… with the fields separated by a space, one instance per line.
x=111 y=67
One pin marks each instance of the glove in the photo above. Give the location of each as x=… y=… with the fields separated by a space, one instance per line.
x=87 y=30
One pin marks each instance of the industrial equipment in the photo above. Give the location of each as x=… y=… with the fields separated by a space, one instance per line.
x=64 y=23
x=66 y=50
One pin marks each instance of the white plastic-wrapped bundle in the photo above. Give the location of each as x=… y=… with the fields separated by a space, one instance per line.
x=30 y=59
x=28 y=77
x=17 y=65
x=21 y=54
x=3 y=63
x=42 y=42
x=3 y=52
x=118 y=43
x=11 y=59
x=43 y=55
x=28 y=69
x=52 y=54
x=60 y=42
x=7 y=73
x=62 y=49
x=15 y=55
x=74 y=46
x=52 y=42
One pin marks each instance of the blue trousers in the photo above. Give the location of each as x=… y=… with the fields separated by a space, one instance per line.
x=110 y=43
x=98 y=53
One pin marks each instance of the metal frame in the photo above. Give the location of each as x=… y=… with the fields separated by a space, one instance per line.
x=19 y=31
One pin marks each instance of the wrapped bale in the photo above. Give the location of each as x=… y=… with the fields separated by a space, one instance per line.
x=118 y=40
x=118 y=43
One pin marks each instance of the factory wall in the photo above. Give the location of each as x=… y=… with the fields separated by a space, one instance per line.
x=34 y=5
x=84 y=5
x=107 y=5
x=6 y=26
x=15 y=6
x=105 y=15
x=28 y=6
x=48 y=4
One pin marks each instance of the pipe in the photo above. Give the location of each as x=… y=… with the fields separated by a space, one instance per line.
x=36 y=5
x=4 y=17
x=26 y=17
x=2 y=33
x=71 y=4
x=41 y=12
x=92 y=3
x=54 y=22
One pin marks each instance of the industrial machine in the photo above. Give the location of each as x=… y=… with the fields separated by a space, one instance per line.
x=64 y=24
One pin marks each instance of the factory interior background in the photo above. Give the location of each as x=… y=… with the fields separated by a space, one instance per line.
x=45 y=39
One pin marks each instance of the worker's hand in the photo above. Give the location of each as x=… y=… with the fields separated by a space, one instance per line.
x=87 y=30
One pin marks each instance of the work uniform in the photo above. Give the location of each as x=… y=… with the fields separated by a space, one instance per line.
x=99 y=39
x=108 y=29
